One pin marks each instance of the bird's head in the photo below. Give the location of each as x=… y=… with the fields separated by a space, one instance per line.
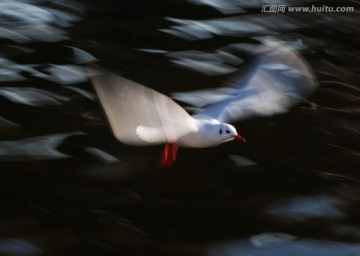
x=227 y=132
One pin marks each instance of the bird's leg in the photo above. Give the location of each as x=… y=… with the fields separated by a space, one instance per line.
x=168 y=155
x=164 y=156
x=173 y=150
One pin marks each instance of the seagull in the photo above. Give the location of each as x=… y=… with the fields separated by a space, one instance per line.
x=278 y=79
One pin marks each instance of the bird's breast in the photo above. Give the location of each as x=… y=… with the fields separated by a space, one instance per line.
x=193 y=140
x=202 y=138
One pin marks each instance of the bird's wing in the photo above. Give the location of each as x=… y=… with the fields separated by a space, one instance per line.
x=139 y=115
x=278 y=79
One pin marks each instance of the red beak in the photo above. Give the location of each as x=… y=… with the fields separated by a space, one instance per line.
x=239 y=137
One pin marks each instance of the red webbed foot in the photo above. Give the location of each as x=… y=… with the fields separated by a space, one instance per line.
x=168 y=155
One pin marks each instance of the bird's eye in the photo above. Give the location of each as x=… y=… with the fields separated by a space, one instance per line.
x=227 y=131
x=220 y=131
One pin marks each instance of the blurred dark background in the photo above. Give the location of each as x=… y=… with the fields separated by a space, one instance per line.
x=68 y=187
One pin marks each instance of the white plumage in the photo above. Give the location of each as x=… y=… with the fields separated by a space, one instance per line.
x=278 y=79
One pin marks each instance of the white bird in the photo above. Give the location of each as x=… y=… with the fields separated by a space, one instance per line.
x=278 y=79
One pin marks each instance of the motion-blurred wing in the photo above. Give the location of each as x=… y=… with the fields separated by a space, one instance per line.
x=278 y=79
x=139 y=115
